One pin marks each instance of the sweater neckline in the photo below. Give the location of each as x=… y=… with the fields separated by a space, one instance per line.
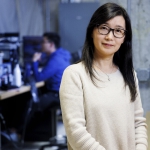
x=103 y=77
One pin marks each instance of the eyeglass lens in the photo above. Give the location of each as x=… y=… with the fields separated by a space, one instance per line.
x=118 y=32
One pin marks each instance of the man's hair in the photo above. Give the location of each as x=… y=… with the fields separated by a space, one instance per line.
x=53 y=37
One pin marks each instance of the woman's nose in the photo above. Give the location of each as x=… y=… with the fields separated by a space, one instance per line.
x=110 y=35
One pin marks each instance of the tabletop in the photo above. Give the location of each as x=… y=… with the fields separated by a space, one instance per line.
x=17 y=91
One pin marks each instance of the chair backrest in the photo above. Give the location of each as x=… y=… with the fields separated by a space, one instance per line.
x=75 y=56
x=35 y=101
x=34 y=91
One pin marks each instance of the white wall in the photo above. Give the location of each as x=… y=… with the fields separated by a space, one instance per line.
x=23 y=16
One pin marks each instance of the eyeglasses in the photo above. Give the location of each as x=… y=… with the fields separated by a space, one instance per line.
x=117 y=32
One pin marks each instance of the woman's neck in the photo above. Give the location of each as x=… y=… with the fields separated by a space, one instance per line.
x=106 y=64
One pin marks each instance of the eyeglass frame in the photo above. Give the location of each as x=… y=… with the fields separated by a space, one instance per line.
x=110 y=29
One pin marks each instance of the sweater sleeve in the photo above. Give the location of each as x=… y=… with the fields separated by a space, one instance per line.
x=47 y=72
x=72 y=105
x=140 y=123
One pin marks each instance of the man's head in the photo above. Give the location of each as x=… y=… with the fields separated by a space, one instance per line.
x=51 y=42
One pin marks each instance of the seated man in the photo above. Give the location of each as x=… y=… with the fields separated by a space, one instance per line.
x=52 y=73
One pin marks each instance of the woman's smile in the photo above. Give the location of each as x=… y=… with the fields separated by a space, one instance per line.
x=107 y=45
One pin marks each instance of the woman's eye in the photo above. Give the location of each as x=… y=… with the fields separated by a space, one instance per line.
x=104 y=28
x=118 y=30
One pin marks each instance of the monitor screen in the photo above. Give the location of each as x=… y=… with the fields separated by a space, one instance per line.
x=32 y=44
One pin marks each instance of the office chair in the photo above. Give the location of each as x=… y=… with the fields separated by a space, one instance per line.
x=57 y=141
x=34 y=106
x=6 y=138
x=60 y=141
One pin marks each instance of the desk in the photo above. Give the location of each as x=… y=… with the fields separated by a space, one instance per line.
x=14 y=92
x=17 y=91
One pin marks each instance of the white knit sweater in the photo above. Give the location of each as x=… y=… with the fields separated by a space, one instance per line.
x=102 y=117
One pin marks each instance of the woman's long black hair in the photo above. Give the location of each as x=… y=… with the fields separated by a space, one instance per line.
x=123 y=57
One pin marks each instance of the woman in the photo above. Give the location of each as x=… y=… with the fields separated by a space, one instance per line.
x=99 y=96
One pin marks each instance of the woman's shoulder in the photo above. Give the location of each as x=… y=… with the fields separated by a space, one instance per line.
x=78 y=68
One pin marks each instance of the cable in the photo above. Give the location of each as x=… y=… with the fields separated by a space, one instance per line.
x=2 y=118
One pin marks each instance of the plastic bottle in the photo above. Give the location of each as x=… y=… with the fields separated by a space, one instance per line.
x=17 y=76
x=1 y=58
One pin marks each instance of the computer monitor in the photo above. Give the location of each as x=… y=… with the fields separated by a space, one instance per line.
x=32 y=44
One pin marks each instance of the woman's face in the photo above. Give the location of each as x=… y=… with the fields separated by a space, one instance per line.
x=107 y=45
